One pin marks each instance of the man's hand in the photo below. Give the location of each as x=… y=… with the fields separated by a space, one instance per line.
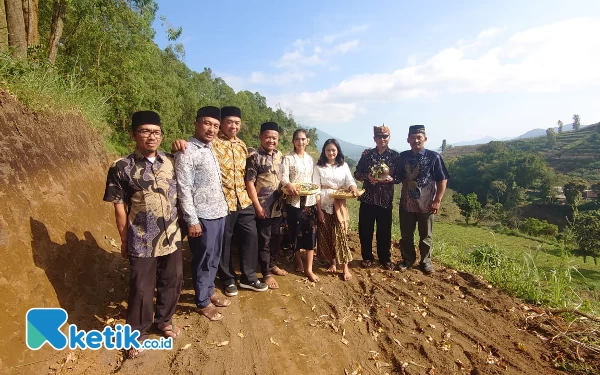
x=321 y=216
x=194 y=230
x=260 y=213
x=434 y=207
x=354 y=191
x=124 y=252
x=178 y=145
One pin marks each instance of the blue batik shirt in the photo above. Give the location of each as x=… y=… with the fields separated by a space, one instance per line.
x=419 y=174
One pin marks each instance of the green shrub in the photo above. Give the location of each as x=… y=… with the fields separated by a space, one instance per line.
x=535 y=227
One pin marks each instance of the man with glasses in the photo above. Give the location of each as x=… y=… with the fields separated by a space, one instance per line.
x=376 y=202
x=142 y=188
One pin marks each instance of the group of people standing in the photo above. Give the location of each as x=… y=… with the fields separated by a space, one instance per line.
x=216 y=189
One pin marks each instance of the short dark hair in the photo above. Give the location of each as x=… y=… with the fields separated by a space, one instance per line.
x=339 y=159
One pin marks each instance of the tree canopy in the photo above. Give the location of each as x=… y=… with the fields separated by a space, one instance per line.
x=108 y=44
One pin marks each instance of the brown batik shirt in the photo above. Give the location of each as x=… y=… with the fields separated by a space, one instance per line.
x=232 y=155
x=149 y=192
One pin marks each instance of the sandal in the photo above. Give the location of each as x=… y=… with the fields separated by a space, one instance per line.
x=271 y=282
x=219 y=302
x=366 y=263
x=134 y=353
x=171 y=331
x=211 y=313
x=389 y=266
x=278 y=271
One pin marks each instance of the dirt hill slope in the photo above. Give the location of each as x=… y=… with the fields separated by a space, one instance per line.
x=52 y=237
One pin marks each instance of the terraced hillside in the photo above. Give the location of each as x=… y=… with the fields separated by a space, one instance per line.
x=576 y=153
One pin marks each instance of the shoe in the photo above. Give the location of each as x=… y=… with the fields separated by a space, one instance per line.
x=366 y=263
x=389 y=266
x=257 y=286
x=427 y=268
x=402 y=266
x=231 y=290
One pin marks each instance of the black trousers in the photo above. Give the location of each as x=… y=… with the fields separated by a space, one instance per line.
x=368 y=215
x=409 y=221
x=163 y=273
x=243 y=223
x=269 y=243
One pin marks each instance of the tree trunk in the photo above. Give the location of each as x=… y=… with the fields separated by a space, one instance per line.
x=30 y=15
x=17 y=39
x=3 y=28
x=58 y=12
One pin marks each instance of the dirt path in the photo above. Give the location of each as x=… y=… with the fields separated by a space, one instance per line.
x=380 y=322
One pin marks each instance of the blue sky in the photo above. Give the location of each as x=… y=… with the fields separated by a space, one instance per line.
x=465 y=69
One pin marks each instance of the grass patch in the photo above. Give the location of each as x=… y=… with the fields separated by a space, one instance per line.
x=41 y=88
x=534 y=269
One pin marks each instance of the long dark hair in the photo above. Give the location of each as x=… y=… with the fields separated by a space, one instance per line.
x=339 y=159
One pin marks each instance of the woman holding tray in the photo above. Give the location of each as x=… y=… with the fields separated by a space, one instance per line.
x=333 y=174
x=301 y=208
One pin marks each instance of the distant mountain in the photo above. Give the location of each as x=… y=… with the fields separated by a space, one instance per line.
x=350 y=150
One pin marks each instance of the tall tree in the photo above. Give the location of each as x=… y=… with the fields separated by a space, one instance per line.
x=576 y=122
x=59 y=8
x=573 y=190
x=17 y=39
x=560 y=126
x=30 y=15
x=443 y=148
x=3 y=28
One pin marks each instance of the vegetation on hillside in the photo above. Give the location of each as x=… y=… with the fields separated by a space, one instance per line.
x=574 y=153
x=99 y=56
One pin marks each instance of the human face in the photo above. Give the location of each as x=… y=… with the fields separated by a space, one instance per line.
x=300 y=142
x=230 y=126
x=147 y=139
x=416 y=141
x=269 y=140
x=331 y=153
x=206 y=129
x=382 y=140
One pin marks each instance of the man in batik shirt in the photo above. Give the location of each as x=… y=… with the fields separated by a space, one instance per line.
x=232 y=154
x=424 y=177
x=204 y=209
x=263 y=183
x=376 y=202
x=143 y=189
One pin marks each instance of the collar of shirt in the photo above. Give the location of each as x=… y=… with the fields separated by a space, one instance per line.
x=261 y=150
x=223 y=137
x=197 y=142
x=137 y=156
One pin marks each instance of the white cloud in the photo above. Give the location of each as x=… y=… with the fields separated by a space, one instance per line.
x=348 y=32
x=488 y=33
x=345 y=47
x=542 y=59
x=296 y=64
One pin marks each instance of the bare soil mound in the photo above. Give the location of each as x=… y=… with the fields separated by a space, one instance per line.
x=55 y=237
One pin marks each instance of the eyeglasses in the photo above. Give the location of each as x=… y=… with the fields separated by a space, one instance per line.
x=145 y=133
x=382 y=136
